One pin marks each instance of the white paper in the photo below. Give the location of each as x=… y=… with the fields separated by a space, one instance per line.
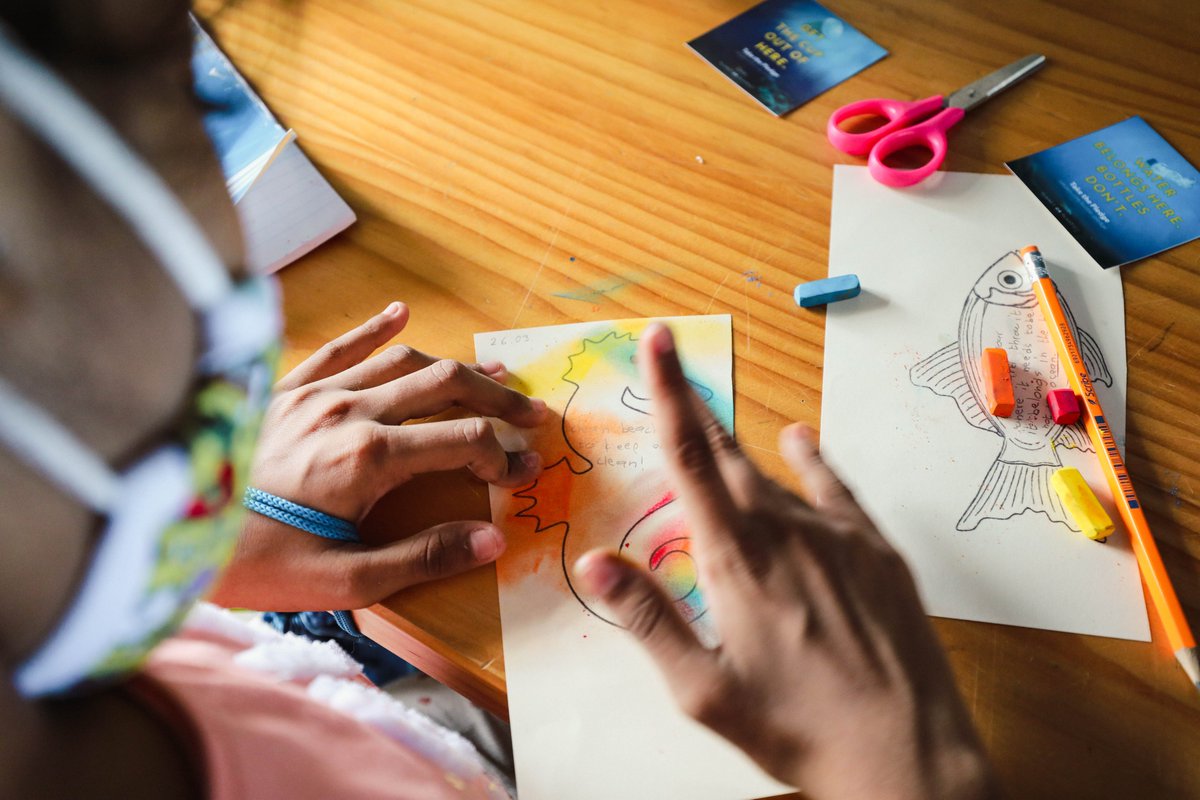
x=288 y=211
x=592 y=717
x=918 y=460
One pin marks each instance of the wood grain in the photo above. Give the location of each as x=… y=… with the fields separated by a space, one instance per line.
x=535 y=163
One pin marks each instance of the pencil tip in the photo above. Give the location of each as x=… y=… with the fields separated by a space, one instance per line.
x=1189 y=659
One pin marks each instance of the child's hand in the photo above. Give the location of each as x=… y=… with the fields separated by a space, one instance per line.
x=828 y=673
x=333 y=440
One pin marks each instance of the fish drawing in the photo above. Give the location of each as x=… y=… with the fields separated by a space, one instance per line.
x=1001 y=311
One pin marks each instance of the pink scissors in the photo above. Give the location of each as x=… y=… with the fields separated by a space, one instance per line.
x=904 y=127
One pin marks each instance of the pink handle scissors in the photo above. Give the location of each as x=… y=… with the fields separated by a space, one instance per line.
x=921 y=124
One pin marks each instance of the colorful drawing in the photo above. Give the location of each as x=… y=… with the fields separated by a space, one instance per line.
x=607 y=432
x=1001 y=311
x=582 y=693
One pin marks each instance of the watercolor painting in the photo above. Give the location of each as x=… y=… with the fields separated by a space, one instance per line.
x=1001 y=311
x=606 y=447
x=582 y=693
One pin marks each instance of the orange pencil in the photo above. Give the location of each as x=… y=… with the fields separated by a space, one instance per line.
x=1154 y=575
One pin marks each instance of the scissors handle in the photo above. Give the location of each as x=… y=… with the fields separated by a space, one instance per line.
x=898 y=113
x=930 y=134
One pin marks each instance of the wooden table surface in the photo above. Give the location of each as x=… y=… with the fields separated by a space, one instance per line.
x=517 y=163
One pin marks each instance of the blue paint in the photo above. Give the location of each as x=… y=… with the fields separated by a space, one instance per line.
x=593 y=294
x=829 y=290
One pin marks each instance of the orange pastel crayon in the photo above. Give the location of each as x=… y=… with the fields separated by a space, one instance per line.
x=1154 y=574
x=997 y=382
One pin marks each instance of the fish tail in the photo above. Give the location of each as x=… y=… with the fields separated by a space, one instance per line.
x=1010 y=489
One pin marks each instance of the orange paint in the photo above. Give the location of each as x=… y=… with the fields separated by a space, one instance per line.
x=997 y=382
x=539 y=519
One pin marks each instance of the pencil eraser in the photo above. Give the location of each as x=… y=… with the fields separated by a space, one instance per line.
x=828 y=290
x=997 y=382
x=1081 y=503
x=1064 y=406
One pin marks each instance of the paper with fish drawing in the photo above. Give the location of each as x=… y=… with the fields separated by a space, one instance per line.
x=591 y=715
x=965 y=495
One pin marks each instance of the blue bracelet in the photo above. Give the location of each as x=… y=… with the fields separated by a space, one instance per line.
x=298 y=516
x=308 y=520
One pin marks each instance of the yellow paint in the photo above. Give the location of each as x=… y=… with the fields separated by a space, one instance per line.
x=1081 y=503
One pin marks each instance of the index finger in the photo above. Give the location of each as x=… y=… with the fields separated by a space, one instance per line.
x=348 y=349
x=690 y=458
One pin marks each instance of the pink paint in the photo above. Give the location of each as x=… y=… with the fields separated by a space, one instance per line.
x=666 y=498
x=1064 y=406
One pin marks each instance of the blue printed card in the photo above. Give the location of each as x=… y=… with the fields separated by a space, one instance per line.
x=1122 y=192
x=783 y=53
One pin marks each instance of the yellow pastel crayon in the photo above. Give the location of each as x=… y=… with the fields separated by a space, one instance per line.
x=1081 y=503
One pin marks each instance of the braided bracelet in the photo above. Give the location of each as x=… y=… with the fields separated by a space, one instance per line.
x=308 y=520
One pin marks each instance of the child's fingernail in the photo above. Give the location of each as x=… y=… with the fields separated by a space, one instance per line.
x=538 y=405
x=491 y=367
x=598 y=572
x=661 y=341
x=393 y=309
x=486 y=544
x=531 y=460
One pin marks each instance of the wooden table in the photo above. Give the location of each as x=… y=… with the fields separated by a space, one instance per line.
x=517 y=163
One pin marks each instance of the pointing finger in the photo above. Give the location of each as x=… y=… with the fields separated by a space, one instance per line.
x=686 y=437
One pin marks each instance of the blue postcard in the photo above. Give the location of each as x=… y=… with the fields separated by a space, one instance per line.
x=243 y=131
x=784 y=53
x=1122 y=192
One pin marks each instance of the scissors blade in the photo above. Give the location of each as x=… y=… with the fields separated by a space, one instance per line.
x=985 y=88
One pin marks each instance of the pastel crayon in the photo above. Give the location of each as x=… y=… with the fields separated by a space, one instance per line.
x=997 y=382
x=828 y=290
x=1064 y=406
x=1081 y=503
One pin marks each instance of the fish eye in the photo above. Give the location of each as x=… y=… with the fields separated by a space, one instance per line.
x=1010 y=278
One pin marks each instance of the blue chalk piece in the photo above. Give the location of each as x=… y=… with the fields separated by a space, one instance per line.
x=829 y=290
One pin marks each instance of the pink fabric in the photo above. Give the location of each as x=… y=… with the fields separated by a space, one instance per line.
x=260 y=737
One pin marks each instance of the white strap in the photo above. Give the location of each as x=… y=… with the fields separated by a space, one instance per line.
x=49 y=107
x=44 y=443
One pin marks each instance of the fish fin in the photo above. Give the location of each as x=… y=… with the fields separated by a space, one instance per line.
x=1010 y=489
x=1093 y=359
x=1074 y=436
x=942 y=373
x=1089 y=348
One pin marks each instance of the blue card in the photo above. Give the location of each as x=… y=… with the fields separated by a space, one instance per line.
x=237 y=121
x=785 y=52
x=1122 y=192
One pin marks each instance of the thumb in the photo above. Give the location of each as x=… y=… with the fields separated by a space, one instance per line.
x=640 y=605
x=437 y=552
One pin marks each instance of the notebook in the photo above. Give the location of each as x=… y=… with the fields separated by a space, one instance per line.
x=285 y=205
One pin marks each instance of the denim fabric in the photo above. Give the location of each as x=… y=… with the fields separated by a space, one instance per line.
x=381 y=665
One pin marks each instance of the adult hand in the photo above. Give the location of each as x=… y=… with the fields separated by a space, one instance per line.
x=333 y=440
x=828 y=673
